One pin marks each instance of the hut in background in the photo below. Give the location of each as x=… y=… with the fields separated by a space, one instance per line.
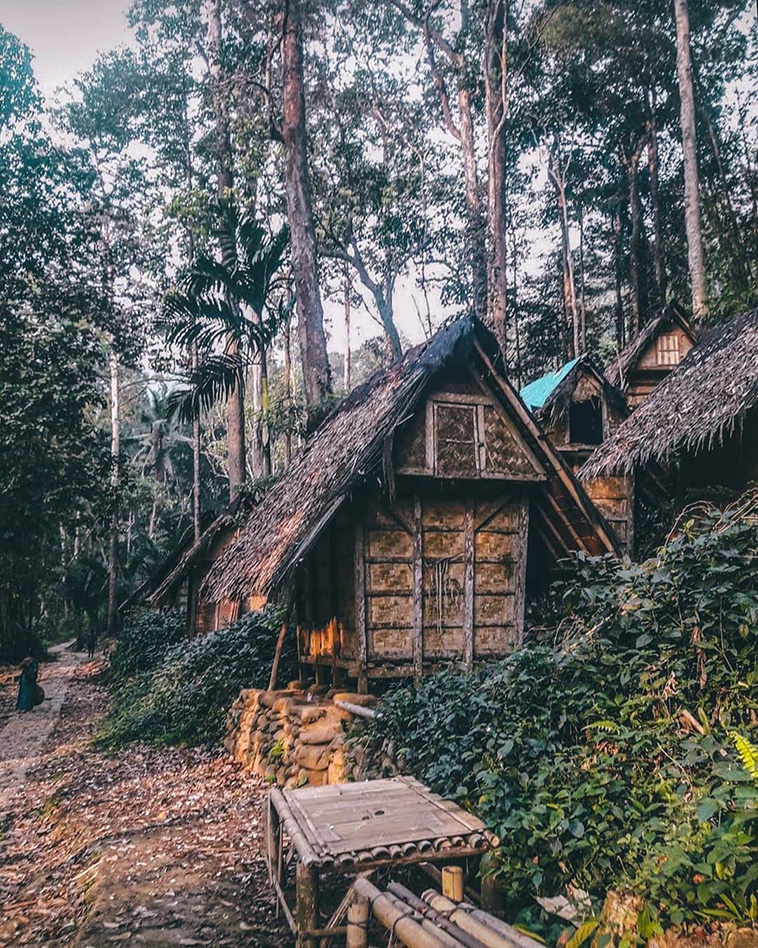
x=408 y=527
x=654 y=352
x=579 y=409
x=177 y=581
x=699 y=428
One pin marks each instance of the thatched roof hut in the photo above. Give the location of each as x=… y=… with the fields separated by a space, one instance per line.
x=657 y=349
x=352 y=447
x=579 y=409
x=698 y=407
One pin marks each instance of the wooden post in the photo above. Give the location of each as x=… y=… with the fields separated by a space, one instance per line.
x=357 y=922
x=418 y=590
x=280 y=640
x=306 y=910
x=452 y=883
x=468 y=583
x=519 y=574
x=360 y=609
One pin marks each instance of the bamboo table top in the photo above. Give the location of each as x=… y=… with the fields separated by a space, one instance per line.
x=344 y=825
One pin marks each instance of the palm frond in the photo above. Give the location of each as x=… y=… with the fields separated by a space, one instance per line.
x=214 y=380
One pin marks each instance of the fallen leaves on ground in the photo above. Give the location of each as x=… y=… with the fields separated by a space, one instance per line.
x=150 y=845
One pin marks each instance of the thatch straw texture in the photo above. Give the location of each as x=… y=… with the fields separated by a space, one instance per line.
x=339 y=455
x=695 y=407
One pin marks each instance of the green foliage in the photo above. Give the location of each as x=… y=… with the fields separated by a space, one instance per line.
x=185 y=696
x=144 y=643
x=607 y=761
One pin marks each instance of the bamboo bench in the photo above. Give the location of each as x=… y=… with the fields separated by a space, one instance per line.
x=351 y=829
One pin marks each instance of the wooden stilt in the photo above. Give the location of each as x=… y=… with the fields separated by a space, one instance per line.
x=452 y=883
x=357 y=922
x=306 y=910
x=280 y=641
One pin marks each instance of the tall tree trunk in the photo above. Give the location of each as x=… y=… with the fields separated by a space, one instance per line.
x=495 y=82
x=476 y=230
x=558 y=177
x=346 y=380
x=115 y=483
x=288 y=393
x=196 y=454
x=582 y=287
x=692 y=222
x=316 y=373
x=655 y=202
x=618 y=245
x=637 y=263
x=235 y=407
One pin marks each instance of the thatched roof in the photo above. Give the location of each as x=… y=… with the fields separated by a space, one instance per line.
x=618 y=370
x=175 y=568
x=346 y=451
x=695 y=406
x=548 y=394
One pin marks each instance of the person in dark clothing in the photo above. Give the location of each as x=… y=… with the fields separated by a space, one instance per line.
x=91 y=643
x=27 y=686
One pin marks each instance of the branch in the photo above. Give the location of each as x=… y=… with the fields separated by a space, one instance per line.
x=455 y=57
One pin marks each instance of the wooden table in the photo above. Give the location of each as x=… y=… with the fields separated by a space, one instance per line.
x=353 y=828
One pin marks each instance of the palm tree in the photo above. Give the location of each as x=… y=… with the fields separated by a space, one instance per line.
x=228 y=313
x=156 y=445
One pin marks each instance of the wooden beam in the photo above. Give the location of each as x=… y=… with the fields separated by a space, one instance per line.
x=418 y=589
x=360 y=607
x=468 y=582
x=520 y=572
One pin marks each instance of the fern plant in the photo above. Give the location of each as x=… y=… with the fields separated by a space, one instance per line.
x=748 y=753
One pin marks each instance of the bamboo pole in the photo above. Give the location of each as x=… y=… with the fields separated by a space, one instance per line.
x=357 y=922
x=483 y=933
x=440 y=920
x=507 y=931
x=304 y=849
x=452 y=883
x=408 y=931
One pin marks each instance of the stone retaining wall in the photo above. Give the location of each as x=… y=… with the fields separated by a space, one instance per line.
x=294 y=736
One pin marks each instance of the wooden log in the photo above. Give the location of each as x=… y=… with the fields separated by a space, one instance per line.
x=358 y=710
x=306 y=909
x=357 y=922
x=483 y=933
x=492 y=898
x=423 y=908
x=452 y=883
x=408 y=931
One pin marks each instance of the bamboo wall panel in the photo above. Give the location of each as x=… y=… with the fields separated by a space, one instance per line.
x=395 y=544
x=504 y=454
x=383 y=576
x=495 y=641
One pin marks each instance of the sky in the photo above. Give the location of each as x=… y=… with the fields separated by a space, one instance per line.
x=66 y=36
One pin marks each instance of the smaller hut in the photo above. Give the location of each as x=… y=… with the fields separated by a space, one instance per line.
x=413 y=520
x=701 y=423
x=177 y=581
x=579 y=409
x=653 y=353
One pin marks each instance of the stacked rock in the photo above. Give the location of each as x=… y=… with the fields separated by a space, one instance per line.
x=294 y=736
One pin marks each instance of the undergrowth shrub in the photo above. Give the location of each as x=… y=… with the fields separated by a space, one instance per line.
x=144 y=642
x=185 y=697
x=614 y=757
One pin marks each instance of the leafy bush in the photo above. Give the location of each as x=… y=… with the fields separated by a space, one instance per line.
x=185 y=698
x=607 y=760
x=144 y=643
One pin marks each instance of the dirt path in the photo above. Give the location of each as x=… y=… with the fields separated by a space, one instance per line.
x=148 y=846
x=23 y=735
